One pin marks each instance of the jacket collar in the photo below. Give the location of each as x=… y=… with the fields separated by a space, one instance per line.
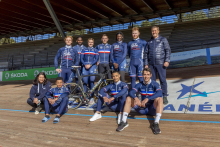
x=80 y=45
x=119 y=42
x=147 y=83
x=59 y=88
x=104 y=44
x=68 y=46
x=90 y=47
x=117 y=82
x=156 y=38
x=136 y=39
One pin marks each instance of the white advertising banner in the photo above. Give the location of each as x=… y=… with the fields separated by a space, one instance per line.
x=197 y=95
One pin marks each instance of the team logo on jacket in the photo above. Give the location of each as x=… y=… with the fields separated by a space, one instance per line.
x=101 y=47
x=116 y=48
x=134 y=46
x=67 y=55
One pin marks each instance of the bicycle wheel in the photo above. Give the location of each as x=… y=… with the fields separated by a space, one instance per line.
x=75 y=98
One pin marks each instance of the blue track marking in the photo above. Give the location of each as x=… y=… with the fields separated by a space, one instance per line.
x=138 y=118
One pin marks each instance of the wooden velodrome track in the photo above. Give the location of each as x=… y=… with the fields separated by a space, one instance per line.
x=21 y=128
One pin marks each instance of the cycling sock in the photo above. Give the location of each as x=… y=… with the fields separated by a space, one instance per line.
x=158 y=115
x=124 y=117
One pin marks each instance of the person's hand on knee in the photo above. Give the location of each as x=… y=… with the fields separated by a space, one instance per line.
x=144 y=102
x=137 y=102
x=36 y=101
x=105 y=99
x=111 y=99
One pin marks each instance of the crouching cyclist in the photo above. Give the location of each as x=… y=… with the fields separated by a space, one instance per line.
x=119 y=91
x=152 y=101
x=57 y=100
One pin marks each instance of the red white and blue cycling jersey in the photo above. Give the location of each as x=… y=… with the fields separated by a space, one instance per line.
x=89 y=56
x=104 y=52
x=151 y=90
x=59 y=93
x=117 y=89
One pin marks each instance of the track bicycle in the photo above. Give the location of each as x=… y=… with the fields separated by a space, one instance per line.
x=78 y=95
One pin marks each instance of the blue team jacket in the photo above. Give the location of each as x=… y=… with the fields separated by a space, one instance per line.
x=151 y=90
x=89 y=56
x=58 y=93
x=79 y=50
x=157 y=51
x=68 y=55
x=117 y=89
x=136 y=48
x=118 y=52
x=104 y=52
x=38 y=91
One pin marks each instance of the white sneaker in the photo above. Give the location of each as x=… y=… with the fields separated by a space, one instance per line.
x=36 y=112
x=95 y=117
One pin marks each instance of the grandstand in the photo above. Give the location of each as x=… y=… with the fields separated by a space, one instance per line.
x=184 y=36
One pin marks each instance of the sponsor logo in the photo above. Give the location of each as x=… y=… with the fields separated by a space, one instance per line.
x=7 y=75
x=18 y=75
x=187 y=89
x=50 y=72
x=36 y=72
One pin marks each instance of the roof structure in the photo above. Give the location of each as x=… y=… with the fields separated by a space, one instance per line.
x=31 y=17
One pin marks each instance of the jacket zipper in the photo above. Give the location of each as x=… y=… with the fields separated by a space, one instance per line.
x=154 y=52
x=89 y=55
x=104 y=53
x=67 y=58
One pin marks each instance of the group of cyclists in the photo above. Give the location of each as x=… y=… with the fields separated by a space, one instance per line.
x=147 y=59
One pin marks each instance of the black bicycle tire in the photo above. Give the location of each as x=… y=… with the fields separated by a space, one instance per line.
x=80 y=103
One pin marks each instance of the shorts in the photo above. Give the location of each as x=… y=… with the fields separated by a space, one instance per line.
x=148 y=110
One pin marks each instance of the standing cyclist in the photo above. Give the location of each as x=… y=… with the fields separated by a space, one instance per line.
x=69 y=56
x=157 y=55
x=79 y=47
x=136 y=49
x=104 y=56
x=89 y=58
x=118 y=55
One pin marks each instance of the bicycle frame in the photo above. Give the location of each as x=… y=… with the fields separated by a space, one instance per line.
x=80 y=84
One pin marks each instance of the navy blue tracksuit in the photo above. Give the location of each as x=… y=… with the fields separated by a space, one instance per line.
x=119 y=91
x=136 y=49
x=69 y=57
x=156 y=53
x=38 y=91
x=60 y=106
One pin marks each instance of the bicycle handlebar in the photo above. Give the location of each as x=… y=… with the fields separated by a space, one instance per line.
x=76 y=66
